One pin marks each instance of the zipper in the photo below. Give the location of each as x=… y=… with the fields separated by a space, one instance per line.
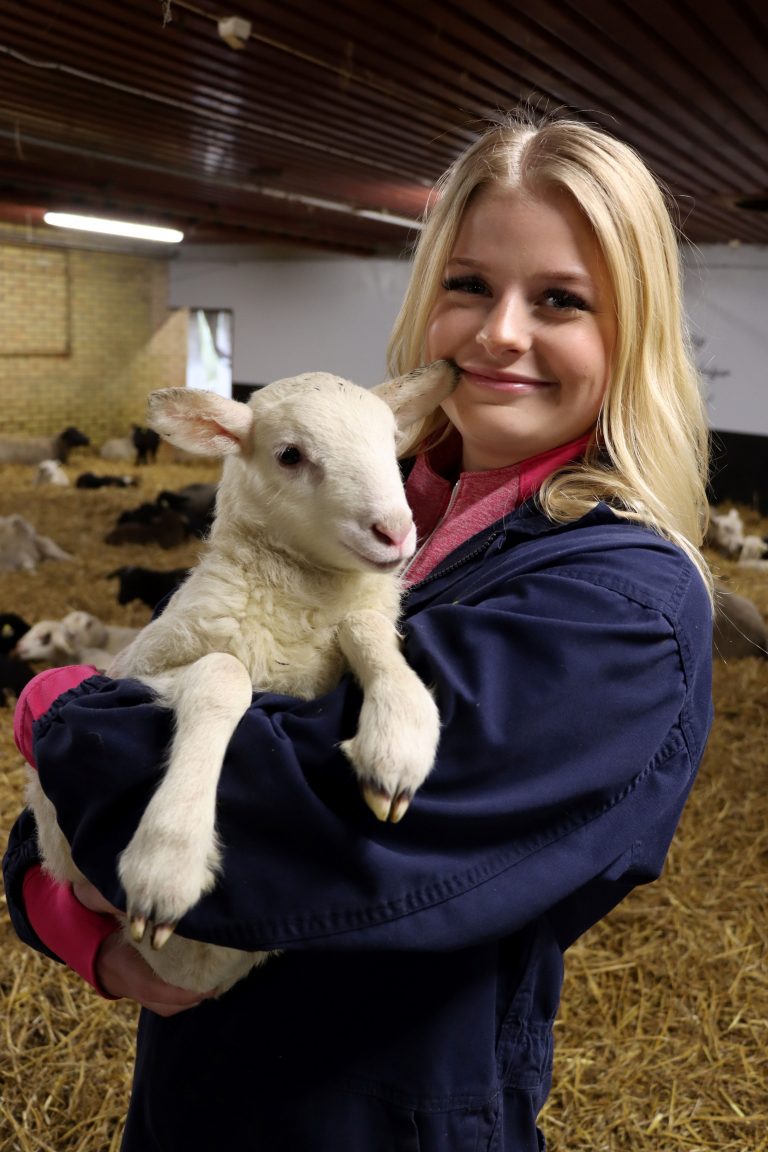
x=438 y=572
x=441 y=521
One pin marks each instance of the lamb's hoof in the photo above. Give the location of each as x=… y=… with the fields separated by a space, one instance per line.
x=161 y=934
x=399 y=807
x=385 y=807
x=138 y=926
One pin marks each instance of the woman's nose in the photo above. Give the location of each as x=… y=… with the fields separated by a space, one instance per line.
x=507 y=327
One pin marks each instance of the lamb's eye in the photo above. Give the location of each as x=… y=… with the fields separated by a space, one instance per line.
x=290 y=456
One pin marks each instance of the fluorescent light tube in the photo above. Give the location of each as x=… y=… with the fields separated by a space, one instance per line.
x=113 y=227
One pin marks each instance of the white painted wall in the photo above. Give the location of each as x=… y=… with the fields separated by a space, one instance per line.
x=293 y=315
x=726 y=292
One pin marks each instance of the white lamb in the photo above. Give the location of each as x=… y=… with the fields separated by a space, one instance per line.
x=79 y=637
x=298 y=581
x=51 y=472
x=91 y=632
x=725 y=531
x=753 y=549
x=22 y=548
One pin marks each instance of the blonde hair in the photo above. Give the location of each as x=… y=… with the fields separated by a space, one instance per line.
x=649 y=456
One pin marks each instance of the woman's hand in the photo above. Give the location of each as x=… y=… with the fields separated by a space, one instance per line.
x=122 y=972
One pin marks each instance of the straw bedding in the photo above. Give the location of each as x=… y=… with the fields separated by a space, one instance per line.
x=662 y=1040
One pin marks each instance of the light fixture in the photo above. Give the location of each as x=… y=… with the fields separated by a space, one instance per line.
x=389 y=218
x=114 y=227
x=235 y=31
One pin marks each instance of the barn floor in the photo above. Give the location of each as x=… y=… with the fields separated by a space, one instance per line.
x=662 y=1041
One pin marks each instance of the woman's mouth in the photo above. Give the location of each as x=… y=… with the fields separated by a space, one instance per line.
x=513 y=382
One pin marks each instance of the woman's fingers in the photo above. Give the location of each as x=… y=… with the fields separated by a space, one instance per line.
x=122 y=972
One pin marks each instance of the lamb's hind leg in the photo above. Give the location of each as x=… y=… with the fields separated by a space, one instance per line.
x=172 y=858
x=399 y=727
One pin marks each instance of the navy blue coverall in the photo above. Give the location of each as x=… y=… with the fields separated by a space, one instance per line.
x=412 y=1007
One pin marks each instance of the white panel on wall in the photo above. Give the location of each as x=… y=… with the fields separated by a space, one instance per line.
x=293 y=316
x=726 y=293
x=335 y=314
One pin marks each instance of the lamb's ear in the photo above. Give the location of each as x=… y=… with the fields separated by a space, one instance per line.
x=199 y=421
x=415 y=396
x=63 y=640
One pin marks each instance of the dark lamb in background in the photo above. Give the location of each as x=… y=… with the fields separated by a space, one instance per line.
x=14 y=674
x=195 y=502
x=12 y=628
x=146 y=442
x=149 y=585
x=167 y=528
x=147 y=513
x=91 y=480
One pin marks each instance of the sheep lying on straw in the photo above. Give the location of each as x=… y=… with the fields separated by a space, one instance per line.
x=78 y=638
x=33 y=449
x=22 y=548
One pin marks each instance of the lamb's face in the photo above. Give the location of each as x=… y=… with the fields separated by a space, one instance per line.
x=84 y=629
x=74 y=438
x=324 y=475
x=311 y=461
x=39 y=641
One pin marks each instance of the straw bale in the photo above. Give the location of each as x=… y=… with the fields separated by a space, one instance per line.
x=662 y=1039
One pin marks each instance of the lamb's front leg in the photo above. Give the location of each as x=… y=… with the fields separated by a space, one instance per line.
x=172 y=858
x=394 y=748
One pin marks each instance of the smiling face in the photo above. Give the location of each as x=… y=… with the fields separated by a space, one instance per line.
x=526 y=311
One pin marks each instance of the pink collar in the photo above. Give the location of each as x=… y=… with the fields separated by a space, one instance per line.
x=448 y=511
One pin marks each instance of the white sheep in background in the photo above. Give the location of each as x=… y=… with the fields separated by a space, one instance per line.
x=51 y=472
x=78 y=638
x=297 y=582
x=22 y=548
x=33 y=449
x=753 y=548
x=725 y=531
x=118 y=448
x=91 y=632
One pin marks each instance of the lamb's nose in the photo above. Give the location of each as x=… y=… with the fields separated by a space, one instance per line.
x=394 y=531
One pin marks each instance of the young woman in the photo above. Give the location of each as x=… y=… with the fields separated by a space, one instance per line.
x=561 y=608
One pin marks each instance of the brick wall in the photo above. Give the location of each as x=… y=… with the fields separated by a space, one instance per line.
x=84 y=337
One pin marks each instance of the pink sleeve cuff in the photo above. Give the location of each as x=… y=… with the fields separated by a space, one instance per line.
x=71 y=931
x=36 y=698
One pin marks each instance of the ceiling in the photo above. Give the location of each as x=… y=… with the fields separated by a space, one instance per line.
x=335 y=117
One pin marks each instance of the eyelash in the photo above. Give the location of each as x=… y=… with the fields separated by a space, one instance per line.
x=469 y=284
x=561 y=299
x=566 y=300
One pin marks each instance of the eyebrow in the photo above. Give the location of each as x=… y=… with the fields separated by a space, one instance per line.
x=572 y=275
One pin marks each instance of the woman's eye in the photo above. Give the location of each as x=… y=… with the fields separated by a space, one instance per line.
x=290 y=456
x=472 y=285
x=562 y=299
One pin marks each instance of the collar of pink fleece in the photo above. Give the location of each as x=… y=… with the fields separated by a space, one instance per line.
x=448 y=511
